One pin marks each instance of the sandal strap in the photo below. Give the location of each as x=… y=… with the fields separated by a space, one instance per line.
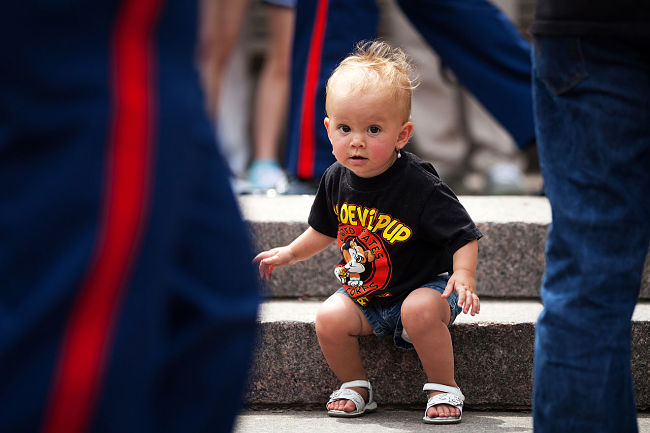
x=445 y=398
x=348 y=394
x=344 y=393
x=444 y=388
x=357 y=384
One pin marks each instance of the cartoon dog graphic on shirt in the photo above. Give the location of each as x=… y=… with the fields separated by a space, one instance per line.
x=356 y=259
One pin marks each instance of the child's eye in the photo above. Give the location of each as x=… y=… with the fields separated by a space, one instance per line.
x=344 y=128
x=374 y=129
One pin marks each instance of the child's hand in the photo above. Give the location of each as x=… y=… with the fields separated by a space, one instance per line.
x=463 y=283
x=275 y=257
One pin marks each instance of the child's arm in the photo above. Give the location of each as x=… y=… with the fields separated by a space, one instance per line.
x=302 y=248
x=462 y=280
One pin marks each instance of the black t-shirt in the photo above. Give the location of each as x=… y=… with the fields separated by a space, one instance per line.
x=395 y=231
x=592 y=17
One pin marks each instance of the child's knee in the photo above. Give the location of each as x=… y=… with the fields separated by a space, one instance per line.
x=331 y=319
x=422 y=312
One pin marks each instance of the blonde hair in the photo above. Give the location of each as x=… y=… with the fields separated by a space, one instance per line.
x=376 y=65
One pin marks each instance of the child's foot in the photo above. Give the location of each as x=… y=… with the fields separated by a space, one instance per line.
x=348 y=405
x=441 y=410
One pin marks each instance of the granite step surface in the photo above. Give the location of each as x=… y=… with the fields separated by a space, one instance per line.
x=493 y=359
x=511 y=253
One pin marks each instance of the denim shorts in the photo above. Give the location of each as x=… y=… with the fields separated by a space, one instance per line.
x=387 y=320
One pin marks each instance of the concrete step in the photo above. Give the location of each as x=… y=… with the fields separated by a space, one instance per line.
x=493 y=359
x=511 y=257
x=388 y=421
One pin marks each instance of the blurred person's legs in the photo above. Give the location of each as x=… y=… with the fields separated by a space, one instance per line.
x=219 y=29
x=487 y=54
x=452 y=129
x=128 y=301
x=494 y=157
x=472 y=37
x=325 y=32
x=436 y=136
x=223 y=64
x=271 y=101
x=593 y=122
x=232 y=123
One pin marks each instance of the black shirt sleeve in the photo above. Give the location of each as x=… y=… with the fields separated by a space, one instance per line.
x=446 y=221
x=322 y=217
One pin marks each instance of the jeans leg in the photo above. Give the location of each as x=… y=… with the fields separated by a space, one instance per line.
x=593 y=128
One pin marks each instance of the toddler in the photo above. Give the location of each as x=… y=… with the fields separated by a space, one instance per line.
x=408 y=247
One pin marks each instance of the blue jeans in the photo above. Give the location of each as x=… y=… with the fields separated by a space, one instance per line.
x=593 y=127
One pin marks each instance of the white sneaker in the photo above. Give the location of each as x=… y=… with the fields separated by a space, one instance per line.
x=505 y=179
x=265 y=175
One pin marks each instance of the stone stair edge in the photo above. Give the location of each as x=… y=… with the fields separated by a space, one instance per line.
x=511 y=258
x=295 y=208
x=493 y=311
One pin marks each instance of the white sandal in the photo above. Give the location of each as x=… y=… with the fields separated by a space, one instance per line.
x=450 y=395
x=344 y=393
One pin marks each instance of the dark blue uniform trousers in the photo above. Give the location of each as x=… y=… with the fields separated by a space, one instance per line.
x=127 y=296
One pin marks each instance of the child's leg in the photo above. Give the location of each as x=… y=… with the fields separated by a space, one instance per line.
x=339 y=322
x=425 y=316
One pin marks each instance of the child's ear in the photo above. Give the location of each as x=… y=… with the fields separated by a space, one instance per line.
x=326 y=122
x=404 y=134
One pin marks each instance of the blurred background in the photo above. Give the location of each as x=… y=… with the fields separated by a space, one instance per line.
x=472 y=152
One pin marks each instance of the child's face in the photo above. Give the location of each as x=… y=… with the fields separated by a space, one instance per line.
x=365 y=129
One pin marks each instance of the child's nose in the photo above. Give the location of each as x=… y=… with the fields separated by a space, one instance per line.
x=357 y=141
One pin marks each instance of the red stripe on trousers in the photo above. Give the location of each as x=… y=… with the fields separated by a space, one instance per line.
x=87 y=338
x=307 y=143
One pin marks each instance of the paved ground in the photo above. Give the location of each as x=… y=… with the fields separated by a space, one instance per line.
x=385 y=421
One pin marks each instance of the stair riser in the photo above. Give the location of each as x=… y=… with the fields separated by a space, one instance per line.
x=493 y=365
x=511 y=262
